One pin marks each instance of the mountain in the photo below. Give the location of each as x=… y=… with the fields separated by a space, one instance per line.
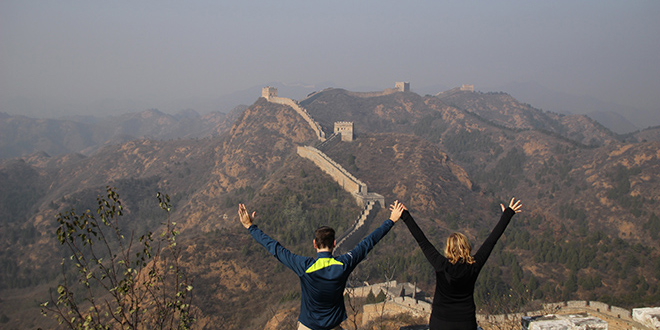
x=502 y=109
x=20 y=135
x=547 y=99
x=589 y=229
x=614 y=121
x=649 y=134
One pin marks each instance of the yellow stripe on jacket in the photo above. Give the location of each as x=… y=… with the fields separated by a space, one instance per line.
x=322 y=263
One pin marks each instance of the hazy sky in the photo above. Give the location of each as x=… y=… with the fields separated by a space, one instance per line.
x=79 y=54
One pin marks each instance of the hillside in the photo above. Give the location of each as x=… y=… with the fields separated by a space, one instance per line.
x=589 y=229
x=649 y=134
x=21 y=136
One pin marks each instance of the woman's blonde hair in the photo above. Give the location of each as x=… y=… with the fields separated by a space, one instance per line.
x=458 y=249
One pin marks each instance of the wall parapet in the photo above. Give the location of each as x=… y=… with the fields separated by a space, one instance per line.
x=336 y=171
x=596 y=306
x=332 y=140
x=554 y=308
x=395 y=306
x=349 y=183
x=320 y=134
x=359 y=223
x=399 y=86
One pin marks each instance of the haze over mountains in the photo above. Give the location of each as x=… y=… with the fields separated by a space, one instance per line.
x=619 y=118
x=589 y=229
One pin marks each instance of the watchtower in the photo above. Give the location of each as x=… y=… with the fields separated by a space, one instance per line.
x=468 y=88
x=269 y=92
x=345 y=128
x=402 y=86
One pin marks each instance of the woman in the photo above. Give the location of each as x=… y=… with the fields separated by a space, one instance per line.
x=457 y=271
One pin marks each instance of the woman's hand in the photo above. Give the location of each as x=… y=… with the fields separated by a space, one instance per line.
x=514 y=204
x=397 y=210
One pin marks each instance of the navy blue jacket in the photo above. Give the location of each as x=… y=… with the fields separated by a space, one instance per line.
x=322 y=279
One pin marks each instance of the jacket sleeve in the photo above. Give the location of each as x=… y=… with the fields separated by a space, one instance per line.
x=432 y=255
x=292 y=261
x=358 y=253
x=487 y=247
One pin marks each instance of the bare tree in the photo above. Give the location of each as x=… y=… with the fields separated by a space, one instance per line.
x=120 y=282
x=352 y=301
x=388 y=269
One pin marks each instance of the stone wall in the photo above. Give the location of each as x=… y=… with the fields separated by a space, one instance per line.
x=649 y=316
x=363 y=291
x=399 y=305
x=399 y=86
x=603 y=314
x=596 y=306
x=599 y=306
x=320 y=134
x=619 y=312
x=331 y=141
x=577 y=304
x=373 y=94
x=349 y=237
x=351 y=184
x=573 y=305
x=354 y=234
x=345 y=179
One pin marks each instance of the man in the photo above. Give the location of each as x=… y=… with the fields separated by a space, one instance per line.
x=322 y=279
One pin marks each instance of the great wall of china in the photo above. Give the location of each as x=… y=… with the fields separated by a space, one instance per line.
x=396 y=301
x=369 y=201
x=401 y=298
x=270 y=94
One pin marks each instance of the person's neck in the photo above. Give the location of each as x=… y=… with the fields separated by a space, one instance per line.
x=324 y=250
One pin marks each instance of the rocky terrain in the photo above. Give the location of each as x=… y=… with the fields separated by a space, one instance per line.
x=589 y=229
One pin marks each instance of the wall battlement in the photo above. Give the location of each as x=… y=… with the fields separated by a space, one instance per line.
x=609 y=316
x=349 y=183
x=399 y=86
x=332 y=140
x=270 y=94
x=345 y=179
x=616 y=317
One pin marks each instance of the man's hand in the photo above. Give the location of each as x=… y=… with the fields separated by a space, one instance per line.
x=244 y=216
x=514 y=206
x=396 y=209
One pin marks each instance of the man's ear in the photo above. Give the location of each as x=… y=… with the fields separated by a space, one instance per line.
x=314 y=241
x=334 y=244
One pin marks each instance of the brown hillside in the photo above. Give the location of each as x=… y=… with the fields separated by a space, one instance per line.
x=502 y=109
x=588 y=230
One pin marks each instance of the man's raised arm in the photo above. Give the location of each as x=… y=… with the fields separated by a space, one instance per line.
x=292 y=261
x=361 y=250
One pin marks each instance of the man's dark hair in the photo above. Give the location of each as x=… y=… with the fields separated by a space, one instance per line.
x=324 y=237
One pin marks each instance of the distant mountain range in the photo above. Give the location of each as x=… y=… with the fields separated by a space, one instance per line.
x=619 y=118
x=589 y=229
x=20 y=135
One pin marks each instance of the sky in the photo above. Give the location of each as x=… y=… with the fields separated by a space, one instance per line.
x=65 y=57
